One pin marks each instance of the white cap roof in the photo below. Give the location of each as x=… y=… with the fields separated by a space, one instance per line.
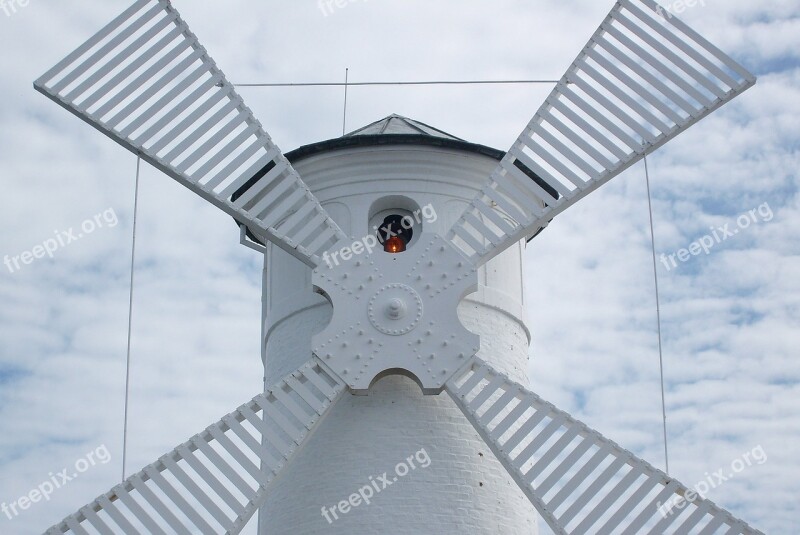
x=399 y=125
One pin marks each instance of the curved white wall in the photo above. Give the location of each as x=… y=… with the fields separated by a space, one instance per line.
x=464 y=490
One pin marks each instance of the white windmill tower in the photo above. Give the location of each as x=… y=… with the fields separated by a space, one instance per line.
x=395 y=167
x=146 y=82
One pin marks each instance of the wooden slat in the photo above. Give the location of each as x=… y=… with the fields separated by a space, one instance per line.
x=201 y=496
x=170 y=491
x=123 y=55
x=133 y=66
x=113 y=26
x=140 y=514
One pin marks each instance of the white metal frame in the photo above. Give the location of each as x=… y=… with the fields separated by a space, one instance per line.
x=642 y=79
x=146 y=82
x=578 y=480
x=219 y=478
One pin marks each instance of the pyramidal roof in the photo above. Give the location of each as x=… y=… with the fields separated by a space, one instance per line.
x=393 y=130
x=399 y=125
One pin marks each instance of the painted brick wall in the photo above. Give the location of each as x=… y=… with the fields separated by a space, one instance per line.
x=464 y=490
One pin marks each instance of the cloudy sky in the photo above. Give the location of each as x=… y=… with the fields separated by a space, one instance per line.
x=730 y=317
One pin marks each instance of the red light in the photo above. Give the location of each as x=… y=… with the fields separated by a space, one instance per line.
x=394 y=245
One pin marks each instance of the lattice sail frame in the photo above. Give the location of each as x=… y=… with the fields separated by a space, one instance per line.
x=643 y=78
x=578 y=480
x=147 y=83
x=218 y=479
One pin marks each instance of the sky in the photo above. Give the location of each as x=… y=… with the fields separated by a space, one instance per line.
x=730 y=317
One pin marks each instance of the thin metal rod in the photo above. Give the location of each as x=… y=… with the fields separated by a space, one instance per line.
x=431 y=82
x=658 y=316
x=346 y=86
x=130 y=322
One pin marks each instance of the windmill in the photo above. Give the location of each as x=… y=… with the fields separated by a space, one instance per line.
x=146 y=82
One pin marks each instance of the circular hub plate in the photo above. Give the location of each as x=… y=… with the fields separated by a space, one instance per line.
x=397 y=312
x=395 y=309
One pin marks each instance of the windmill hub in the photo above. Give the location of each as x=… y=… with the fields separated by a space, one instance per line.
x=396 y=313
x=395 y=309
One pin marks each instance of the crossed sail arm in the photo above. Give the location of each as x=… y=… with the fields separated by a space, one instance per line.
x=218 y=479
x=578 y=480
x=644 y=78
x=146 y=82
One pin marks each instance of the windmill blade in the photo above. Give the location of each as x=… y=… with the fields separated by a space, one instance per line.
x=643 y=78
x=216 y=481
x=578 y=480
x=147 y=83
